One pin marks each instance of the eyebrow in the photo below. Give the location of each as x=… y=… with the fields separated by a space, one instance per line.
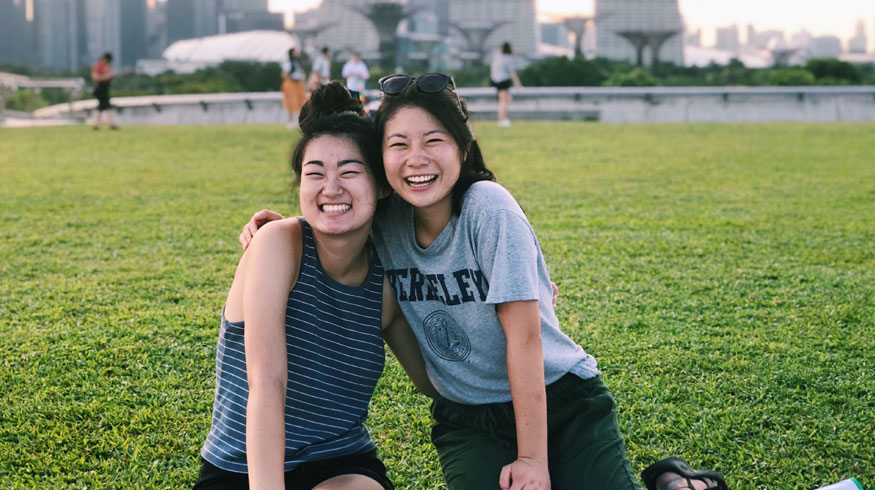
x=427 y=133
x=339 y=164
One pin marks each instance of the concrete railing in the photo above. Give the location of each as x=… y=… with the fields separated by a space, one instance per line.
x=10 y=82
x=608 y=104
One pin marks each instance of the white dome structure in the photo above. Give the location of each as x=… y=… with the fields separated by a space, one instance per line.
x=261 y=46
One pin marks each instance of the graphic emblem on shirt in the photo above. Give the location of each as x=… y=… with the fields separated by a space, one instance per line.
x=445 y=337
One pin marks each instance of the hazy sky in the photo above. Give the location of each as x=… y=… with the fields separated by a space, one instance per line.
x=819 y=17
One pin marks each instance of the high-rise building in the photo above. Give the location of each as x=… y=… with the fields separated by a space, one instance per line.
x=825 y=47
x=187 y=19
x=206 y=17
x=858 y=43
x=801 y=40
x=56 y=34
x=556 y=34
x=70 y=34
x=103 y=24
x=156 y=29
x=693 y=38
x=244 y=5
x=180 y=20
x=240 y=21
x=16 y=39
x=652 y=23
x=351 y=30
x=769 y=39
x=520 y=26
x=727 y=39
x=133 y=25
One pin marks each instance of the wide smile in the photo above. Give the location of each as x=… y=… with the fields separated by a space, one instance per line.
x=335 y=208
x=420 y=181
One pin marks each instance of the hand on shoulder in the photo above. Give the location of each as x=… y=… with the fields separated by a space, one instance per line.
x=278 y=237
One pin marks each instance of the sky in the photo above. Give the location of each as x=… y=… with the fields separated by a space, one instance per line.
x=820 y=17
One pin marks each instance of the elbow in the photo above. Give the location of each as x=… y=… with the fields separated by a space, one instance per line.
x=530 y=339
x=265 y=384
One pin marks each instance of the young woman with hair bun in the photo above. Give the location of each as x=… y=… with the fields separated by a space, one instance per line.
x=301 y=340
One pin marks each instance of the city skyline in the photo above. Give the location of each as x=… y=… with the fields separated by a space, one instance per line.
x=789 y=16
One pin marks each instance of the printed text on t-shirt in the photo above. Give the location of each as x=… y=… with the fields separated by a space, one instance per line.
x=462 y=286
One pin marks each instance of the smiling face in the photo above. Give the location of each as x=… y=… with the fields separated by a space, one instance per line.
x=422 y=160
x=337 y=191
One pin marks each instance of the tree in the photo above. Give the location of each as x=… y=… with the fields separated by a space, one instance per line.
x=791 y=76
x=563 y=72
x=827 y=70
x=637 y=77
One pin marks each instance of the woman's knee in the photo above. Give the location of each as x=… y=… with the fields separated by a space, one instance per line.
x=349 y=482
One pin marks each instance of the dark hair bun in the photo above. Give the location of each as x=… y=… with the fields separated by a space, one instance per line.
x=329 y=99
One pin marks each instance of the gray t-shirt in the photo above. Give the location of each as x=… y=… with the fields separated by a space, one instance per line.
x=448 y=292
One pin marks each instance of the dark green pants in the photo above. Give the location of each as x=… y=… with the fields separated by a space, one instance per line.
x=585 y=447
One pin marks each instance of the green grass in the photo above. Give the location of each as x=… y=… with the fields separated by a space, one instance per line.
x=723 y=275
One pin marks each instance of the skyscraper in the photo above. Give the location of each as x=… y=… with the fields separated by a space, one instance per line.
x=103 y=23
x=133 y=30
x=187 y=19
x=56 y=32
x=239 y=21
x=156 y=29
x=858 y=43
x=16 y=41
x=769 y=39
x=244 y=5
x=520 y=27
x=352 y=30
x=653 y=19
x=727 y=39
x=206 y=17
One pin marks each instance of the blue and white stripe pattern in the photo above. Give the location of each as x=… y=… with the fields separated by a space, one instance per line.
x=335 y=354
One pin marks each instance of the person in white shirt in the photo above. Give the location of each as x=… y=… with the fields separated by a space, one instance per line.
x=356 y=73
x=321 y=72
x=502 y=74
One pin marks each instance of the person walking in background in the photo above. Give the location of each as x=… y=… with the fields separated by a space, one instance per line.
x=356 y=73
x=502 y=74
x=101 y=73
x=321 y=72
x=294 y=94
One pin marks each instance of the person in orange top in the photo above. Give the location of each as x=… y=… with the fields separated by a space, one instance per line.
x=294 y=93
x=101 y=73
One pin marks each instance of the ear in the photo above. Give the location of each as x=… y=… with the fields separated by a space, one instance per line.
x=464 y=153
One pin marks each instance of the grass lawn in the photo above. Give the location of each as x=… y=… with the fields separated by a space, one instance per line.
x=723 y=276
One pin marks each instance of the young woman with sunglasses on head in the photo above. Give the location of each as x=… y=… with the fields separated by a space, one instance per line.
x=301 y=341
x=521 y=406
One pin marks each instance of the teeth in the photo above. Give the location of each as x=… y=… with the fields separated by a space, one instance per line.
x=421 y=179
x=335 y=208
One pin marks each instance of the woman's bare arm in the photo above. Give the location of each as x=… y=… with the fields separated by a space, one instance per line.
x=270 y=272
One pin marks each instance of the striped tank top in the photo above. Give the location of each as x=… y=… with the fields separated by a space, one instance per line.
x=335 y=355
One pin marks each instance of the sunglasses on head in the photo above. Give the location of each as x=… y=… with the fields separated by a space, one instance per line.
x=431 y=83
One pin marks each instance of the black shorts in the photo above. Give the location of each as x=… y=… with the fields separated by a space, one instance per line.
x=304 y=477
x=101 y=93
x=505 y=85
